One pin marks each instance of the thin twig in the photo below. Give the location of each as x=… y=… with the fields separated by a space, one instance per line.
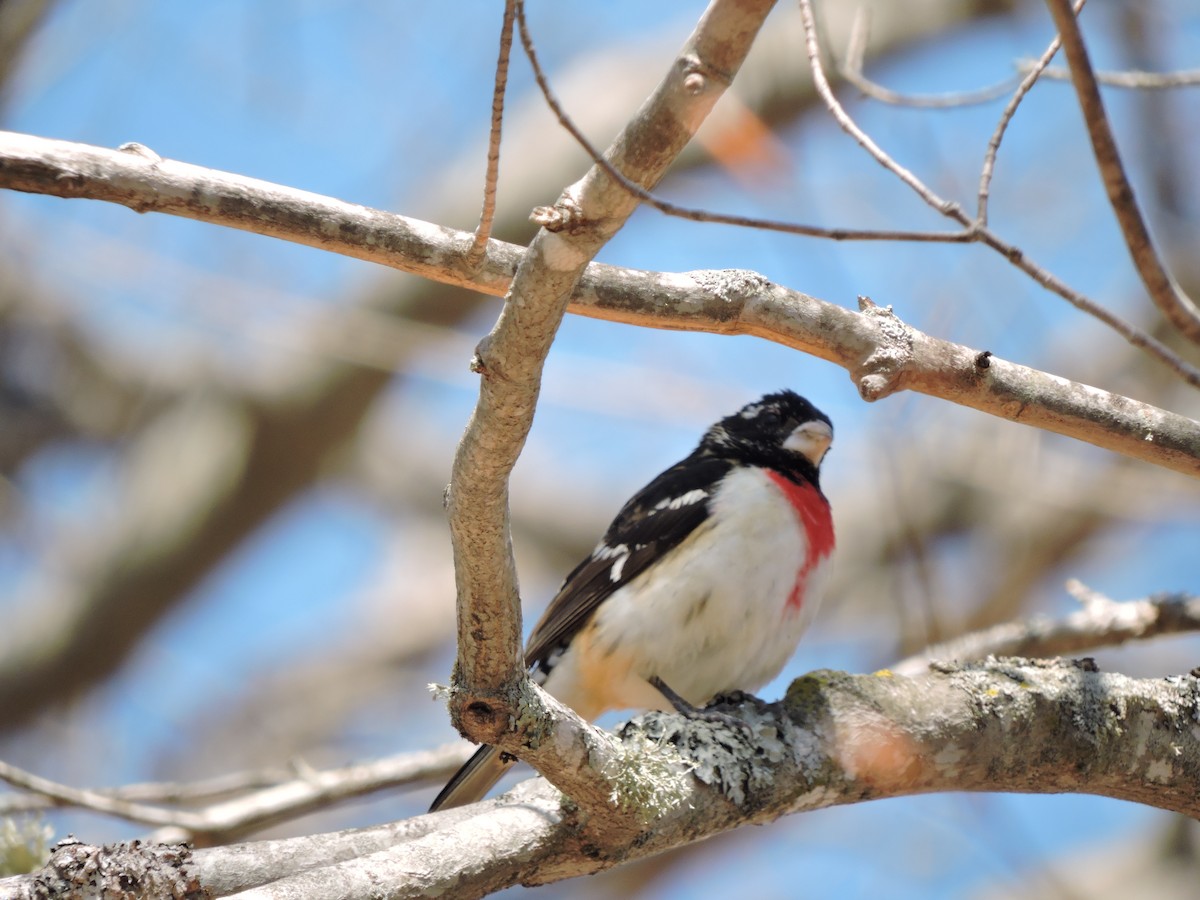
x=1132 y=80
x=700 y=215
x=851 y=69
x=975 y=231
x=1010 y=109
x=484 y=230
x=209 y=790
x=825 y=92
x=1179 y=309
x=1134 y=335
x=64 y=795
x=301 y=793
x=950 y=100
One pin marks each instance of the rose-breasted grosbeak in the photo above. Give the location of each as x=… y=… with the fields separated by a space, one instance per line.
x=702 y=584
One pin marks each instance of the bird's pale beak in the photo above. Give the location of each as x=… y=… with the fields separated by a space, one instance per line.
x=812 y=439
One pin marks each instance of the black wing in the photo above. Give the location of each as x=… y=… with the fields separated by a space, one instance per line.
x=654 y=520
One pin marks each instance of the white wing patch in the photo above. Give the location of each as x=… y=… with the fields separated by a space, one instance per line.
x=695 y=496
x=619 y=553
x=751 y=411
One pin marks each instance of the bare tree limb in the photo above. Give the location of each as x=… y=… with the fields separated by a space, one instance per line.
x=871 y=343
x=1131 y=80
x=1179 y=309
x=977 y=230
x=1102 y=622
x=490 y=688
x=835 y=739
x=304 y=791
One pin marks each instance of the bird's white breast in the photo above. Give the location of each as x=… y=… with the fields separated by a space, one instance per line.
x=714 y=615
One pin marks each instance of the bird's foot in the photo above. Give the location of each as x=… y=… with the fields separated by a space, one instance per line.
x=708 y=714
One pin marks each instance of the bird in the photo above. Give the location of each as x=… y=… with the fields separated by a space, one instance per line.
x=701 y=586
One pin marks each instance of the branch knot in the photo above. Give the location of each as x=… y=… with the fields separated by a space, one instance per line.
x=565 y=215
x=881 y=373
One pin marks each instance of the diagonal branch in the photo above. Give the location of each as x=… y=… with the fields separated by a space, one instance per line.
x=718 y=302
x=1179 y=309
x=977 y=230
x=490 y=688
x=1026 y=84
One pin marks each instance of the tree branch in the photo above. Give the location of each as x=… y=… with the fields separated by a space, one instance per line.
x=1028 y=80
x=490 y=689
x=976 y=230
x=1178 y=308
x=287 y=798
x=484 y=230
x=1134 y=80
x=874 y=342
x=835 y=739
x=1102 y=622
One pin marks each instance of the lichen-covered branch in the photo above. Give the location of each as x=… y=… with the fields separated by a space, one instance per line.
x=998 y=725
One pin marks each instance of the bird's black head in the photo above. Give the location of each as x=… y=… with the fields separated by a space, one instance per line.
x=781 y=431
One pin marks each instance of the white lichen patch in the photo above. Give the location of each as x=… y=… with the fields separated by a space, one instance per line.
x=647 y=775
x=1160 y=772
x=1143 y=730
x=806 y=750
x=737 y=764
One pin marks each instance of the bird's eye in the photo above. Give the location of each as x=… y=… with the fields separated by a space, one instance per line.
x=770 y=418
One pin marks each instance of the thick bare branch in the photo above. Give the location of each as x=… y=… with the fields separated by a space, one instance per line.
x=835 y=739
x=726 y=303
x=490 y=666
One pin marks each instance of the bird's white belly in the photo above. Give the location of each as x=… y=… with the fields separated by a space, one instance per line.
x=714 y=615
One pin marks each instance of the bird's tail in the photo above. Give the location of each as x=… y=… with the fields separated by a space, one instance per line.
x=474 y=779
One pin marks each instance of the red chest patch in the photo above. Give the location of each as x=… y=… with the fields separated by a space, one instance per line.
x=812 y=511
